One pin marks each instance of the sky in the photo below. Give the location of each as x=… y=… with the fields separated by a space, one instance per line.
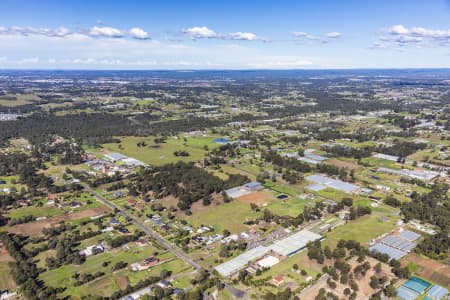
x=224 y=34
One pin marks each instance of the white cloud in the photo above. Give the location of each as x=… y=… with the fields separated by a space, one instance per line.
x=203 y=32
x=244 y=36
x=63 y=32
x=138 y=33
x=200 y=32
x=402 y=36
x=333 y=34
x=27 y=31
x=301 y=36
x=106 y=31
x=398 y=29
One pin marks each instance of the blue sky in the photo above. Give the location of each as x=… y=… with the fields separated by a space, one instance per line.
x=224 y=34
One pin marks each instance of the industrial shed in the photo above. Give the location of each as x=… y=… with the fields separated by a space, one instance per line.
x=234 y=265
x=294 y=243
x=268 y=255
x=333 y=183
x=391 y=252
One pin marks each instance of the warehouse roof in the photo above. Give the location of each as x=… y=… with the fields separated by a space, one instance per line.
x=333 y=183
x=391 y=252
x=285 y=247
x=237 y=263
x=115 y=156
x=294 y=243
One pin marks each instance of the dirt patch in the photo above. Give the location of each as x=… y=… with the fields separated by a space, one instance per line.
x=341 y=164
x=168 y=201
x=198 y=206
x=6 y=280
x=4 y=255
x=35 y=228
x=122 y=282
x=258 y=198
x=429 y=269
x=365 y=291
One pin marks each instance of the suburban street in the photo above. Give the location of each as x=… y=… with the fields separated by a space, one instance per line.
x=172 y=248
x=151 y=233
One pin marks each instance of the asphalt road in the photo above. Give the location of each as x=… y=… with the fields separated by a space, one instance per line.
x=153 y=234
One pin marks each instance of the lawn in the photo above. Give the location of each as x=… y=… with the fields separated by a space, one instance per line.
x=229 y=216
x=6 y=281
x=163 y=153
x=361 y=230
x=380 y=162
x=290 y=206
x=284 y=189
x=45 y=211
x=62 y=276
x=227 y=169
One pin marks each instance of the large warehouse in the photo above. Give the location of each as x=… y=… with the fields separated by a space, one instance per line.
x=266 y=254
x=333 y=183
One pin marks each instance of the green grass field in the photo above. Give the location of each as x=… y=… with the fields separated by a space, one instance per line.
x=62 y=276
x=163 y=153
x=229 y=216
x=6 y=281
x=290 y=190
x=290 y=206
x=361 y=230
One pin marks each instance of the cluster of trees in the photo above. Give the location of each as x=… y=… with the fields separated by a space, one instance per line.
x=342 y=272
x=183 y=180
x=331 y=170
x=11 y=163
x=119 y=265
x=290 y=163
x=285 y=294
x=66 y=252
x=359 y=211
x=181 y=153
x=435 y=246
x=397 y=269
x=98 y=128
x=401 y=149
x=22 y=220
x=56 y=230
x=432 y=207
x=83 y=278
x=123 y=239
x=26 y=168
x=227 y=249
x=347 y=151
x=392 y=201
x=24 y=271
